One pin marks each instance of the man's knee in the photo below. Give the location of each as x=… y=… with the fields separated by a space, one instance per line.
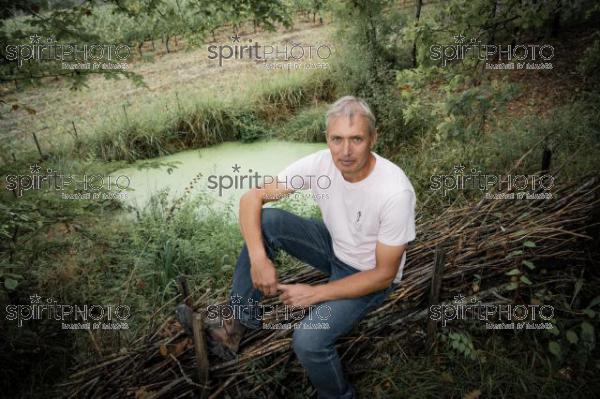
x=271 y=221
x=308 y=343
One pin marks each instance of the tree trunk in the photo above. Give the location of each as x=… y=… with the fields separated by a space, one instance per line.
x=494 y=10
x=167 y=43
x=417 y=17
x=554 y=31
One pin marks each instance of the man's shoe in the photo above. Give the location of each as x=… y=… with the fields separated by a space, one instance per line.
x=224 y=341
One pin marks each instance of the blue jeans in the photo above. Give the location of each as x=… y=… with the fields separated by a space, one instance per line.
x=310 y=242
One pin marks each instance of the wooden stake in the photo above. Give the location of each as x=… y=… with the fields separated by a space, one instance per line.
x=434 y=295
x=185 y=291
x=37 y=144
x=201 y=354
x=546 y=159
x=74 y=129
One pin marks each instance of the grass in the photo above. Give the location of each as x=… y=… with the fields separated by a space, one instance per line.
x=306 y=126
x=201 y=122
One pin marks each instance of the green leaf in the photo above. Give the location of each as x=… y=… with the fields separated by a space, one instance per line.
x=11 y=284
x=529 y=264
x=512 y=286
x=529 y=244
x=515 y=253
x=578 y=285
x=525 y=280
x=226 y=268
x=572 y=337
x=513 y=272
x=594 y=302
x=589 y=312
x=554 y=348
x=587 y=330
x=554 y=330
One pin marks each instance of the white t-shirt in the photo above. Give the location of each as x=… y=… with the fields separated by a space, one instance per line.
x=381 y=207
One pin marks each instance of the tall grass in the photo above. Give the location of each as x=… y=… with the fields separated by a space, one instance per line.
x=200 y=240
x=308 y=125
x=196 y=121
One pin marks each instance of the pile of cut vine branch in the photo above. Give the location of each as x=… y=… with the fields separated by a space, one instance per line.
x=486 y=239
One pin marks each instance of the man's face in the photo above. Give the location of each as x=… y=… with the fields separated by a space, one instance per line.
x=350 y=144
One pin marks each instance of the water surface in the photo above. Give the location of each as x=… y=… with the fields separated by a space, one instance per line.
x=224 y=171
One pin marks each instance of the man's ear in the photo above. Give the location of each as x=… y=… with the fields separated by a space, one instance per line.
x=373 y=139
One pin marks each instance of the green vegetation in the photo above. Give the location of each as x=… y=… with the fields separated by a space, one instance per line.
x=308 y=125
x=508 y=365
x=200 y=122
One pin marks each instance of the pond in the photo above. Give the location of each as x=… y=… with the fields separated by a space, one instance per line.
x=224 y=171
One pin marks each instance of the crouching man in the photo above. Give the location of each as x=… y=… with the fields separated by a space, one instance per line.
x=368 y=209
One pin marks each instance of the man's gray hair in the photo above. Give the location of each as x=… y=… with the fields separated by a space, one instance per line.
x=349 y=106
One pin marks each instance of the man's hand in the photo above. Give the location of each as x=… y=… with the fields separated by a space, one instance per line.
x=301 y=295
x=262 y=270
x=264 y=276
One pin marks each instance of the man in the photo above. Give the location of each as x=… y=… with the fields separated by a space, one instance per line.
x=367 y=204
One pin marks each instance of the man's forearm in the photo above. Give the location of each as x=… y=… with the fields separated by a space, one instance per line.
x=355 y=285
x=250 y=214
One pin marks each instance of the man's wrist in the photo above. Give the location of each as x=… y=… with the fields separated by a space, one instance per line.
x=322 y=293
x=257 y=256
